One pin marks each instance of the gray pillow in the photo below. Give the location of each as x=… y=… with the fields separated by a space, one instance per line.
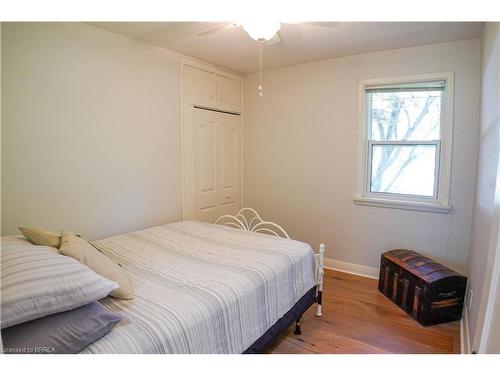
x=63 y=333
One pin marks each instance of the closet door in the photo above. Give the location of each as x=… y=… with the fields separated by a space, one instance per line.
x=205 y=165
x=229 y=178
x=217 y=164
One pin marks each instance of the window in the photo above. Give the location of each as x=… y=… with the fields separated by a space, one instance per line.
x=406 y=142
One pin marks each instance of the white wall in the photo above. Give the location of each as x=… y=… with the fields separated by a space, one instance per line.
x=90 y=130
x=483 y=245
x=300 y=155
x=492 y=339
x=1 y=347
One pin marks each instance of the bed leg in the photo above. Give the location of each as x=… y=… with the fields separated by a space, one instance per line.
x=320 y=279
x=318 y=301
x=297 y=328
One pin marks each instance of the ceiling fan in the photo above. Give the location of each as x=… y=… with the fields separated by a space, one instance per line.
x=264 y=32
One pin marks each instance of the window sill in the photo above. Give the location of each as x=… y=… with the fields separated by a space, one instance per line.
x=440 y=208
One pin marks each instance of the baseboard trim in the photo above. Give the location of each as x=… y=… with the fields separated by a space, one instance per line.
x=465 y=347
x=352 y=268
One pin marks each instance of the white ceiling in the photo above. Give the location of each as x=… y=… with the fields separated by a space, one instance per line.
x=232 y=48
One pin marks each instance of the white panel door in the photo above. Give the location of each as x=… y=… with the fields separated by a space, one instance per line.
x=229 y=148
x=205 y=165
x=217 y=164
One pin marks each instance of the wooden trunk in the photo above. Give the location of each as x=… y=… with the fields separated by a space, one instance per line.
x=430 y=292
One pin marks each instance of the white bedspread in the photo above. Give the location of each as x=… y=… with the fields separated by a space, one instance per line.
x=202 y=288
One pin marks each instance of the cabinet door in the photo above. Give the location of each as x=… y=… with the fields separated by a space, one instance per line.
x=228 y=91
x=199 y=86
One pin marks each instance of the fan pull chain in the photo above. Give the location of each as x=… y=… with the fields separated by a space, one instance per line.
x=259 y=89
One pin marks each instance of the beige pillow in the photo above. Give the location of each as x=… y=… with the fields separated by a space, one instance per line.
x=40 y=236
x=76 y=247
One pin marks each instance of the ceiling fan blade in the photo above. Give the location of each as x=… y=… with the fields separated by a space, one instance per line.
x=320 y=24
x=275 y=39
x=213 y=30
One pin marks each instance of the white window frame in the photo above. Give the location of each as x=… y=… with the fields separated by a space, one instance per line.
x=440 y=201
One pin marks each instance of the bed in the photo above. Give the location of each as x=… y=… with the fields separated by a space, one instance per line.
x=209 y=288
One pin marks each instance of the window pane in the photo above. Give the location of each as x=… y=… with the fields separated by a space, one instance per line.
x=405 y=115
x=403 y=169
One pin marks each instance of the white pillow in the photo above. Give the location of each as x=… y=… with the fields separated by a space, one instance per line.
x=15 y=240
x=36 y=281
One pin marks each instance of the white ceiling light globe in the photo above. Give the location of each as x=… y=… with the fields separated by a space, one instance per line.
x=262 y=29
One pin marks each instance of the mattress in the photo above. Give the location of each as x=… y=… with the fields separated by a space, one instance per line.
x=202 y=288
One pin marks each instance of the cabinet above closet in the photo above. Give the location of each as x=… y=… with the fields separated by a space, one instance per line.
x=211 y=90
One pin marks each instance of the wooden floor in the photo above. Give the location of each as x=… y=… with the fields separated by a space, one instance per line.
x=357 y=318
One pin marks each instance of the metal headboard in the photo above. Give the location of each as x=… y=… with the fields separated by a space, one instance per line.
x=248 y=219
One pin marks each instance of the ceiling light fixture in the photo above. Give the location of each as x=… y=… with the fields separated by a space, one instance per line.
x=261 y=32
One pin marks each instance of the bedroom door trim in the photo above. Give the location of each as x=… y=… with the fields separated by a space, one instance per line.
x=186 y=111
